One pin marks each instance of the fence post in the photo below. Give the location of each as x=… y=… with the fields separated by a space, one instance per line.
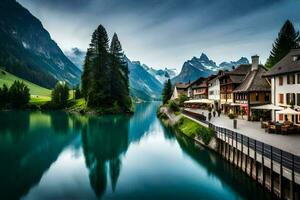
x=293 y=178
x=247 y=156
x=242 y=146
x=271 y=174
x=263 y=165
x=255 y=160
x=281 y=177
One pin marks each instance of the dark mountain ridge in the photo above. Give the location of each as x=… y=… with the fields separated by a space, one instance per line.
x=28 y=51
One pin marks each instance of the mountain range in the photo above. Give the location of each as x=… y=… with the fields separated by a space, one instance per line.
x=28 y=51
x=203 y=67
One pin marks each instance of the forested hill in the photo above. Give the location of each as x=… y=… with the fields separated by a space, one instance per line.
x=28 y=51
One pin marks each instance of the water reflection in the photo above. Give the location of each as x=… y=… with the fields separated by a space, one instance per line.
x=54 y=155
x=26 y=150
x=104 y=141
x=216 y=167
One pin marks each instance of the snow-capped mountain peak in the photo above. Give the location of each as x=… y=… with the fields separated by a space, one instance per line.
x=203 y=67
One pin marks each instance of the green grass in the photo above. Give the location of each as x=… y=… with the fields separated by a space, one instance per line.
x=35 y=90
x=39 y=95
x=78 y=103
x=193 y=129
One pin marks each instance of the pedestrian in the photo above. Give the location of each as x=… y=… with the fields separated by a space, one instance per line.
x=219 y=112
x=214 y=113
x=209 y=116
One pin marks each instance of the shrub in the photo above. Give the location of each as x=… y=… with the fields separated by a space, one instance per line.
x=182 y=99
x=173 y=106
x=19 y=95
x=231 y=116
x=60 y=95
x=4 y=96
x=193 y=129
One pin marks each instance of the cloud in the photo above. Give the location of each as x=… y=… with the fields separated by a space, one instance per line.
x=166 y=33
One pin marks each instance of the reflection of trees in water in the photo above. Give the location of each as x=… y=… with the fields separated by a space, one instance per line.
x=24 y=161
x=15 y=123
x=104 y=140
x=59 y=122
x=216 y=166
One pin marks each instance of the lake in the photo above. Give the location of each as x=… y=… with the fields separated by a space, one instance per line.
x=53 y=155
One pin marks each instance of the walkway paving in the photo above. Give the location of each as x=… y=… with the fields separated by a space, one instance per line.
x=289 y=143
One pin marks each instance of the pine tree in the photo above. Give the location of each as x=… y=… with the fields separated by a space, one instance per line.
x=86 y=75
x=98 y=94
x=287 y=39
x=119 y=75
x=167 y=91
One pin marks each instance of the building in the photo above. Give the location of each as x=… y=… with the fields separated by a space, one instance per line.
x=214 y=91
x=180 y=88
x=229 y=80
x=285 y=81
x=254 y=90
x=200 y=87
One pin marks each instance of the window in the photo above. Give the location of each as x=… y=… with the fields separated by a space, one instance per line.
x=280 y=80
x=256 y=97
x=291 y=79
x=281 y=98
x=267 y=97
x=288 y=98
x=298 y=78
x=280 y=117
x=298 y=99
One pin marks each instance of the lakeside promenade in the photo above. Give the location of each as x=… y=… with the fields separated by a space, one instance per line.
x=289 y=143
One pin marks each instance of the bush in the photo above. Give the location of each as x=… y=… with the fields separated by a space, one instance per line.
x=19 y=95
x=4 y=96
x=231 y=116
x=193 y=129
x=182 y=99
x=60 y=95
x=173 y=106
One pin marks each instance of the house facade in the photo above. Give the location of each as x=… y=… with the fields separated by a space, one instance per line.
x=285 y=81
x=255 y=89
x=228 y=82
x=179 y=88
x=214 y=92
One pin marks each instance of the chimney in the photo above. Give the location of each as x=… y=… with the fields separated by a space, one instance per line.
x=255 y=62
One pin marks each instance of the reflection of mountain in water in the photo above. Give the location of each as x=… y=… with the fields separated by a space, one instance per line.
x=144 y=116
x=215 y=166
x=104 y=141
x=27 y=150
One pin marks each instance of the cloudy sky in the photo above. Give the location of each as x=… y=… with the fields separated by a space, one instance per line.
x=165 y=33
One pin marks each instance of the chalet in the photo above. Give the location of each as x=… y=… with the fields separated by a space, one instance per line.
x=214 y=91
x=230 y=80
x=285 y=81
x=180 y=88
x=255 y=89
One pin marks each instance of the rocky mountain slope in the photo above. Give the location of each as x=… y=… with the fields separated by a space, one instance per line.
x=28 y=51
x=143 y=85
x=203 y=67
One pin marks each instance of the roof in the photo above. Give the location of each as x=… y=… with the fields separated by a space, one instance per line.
x=286 y=65
x=182 y=85
x=237 y=79
x=254 y=82
x=238 y=74
x=240 y=70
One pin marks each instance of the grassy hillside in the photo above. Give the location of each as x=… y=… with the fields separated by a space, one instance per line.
x=39 y=95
